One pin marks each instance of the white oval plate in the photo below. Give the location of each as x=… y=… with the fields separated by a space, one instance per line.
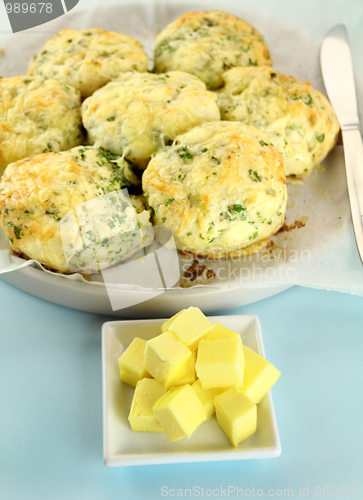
x=86 y=297
x=91 y=298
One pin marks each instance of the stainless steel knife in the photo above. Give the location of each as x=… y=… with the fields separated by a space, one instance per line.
x=337 y=68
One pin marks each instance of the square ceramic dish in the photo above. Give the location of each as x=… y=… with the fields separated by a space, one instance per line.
x=122 y=447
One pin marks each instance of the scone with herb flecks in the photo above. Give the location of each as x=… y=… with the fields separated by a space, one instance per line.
x=220 y=189
x=140 y=113
x=208 y=43
x=297 y=119
x=68 y=210
x=37 y=115
x=88 y=59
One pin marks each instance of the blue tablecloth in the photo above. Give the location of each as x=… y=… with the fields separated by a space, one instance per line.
x=51 y=391
x=51 y=405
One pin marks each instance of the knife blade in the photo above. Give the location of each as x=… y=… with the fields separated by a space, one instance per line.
x=337 y=69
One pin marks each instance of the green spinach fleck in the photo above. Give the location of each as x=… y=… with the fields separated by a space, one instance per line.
x=254 y=175
x=185 y=154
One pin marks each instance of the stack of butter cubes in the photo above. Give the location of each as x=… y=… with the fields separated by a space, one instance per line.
x=190 y=372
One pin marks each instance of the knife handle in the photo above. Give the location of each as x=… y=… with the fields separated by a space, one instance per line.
x=353 y=154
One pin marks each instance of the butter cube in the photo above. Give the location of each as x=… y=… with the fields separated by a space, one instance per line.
x=190 y=327
x=219 y=331
x=260 y=375
x=190 y=375
x=131 y=362
x=220 y=363
x=207 y=396
x=166 y=358
x=180 y=412
x=236 y=414
x=167 y=323
x=142 y=418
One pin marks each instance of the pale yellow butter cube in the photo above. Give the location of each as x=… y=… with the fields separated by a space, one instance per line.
x=166 y=358
x=190 y=375
x=236 y=414
x=219 y=331
x=131 y=362
x=180 y=412
x=220 y=363
x=190 y=327
x=259 y=376
x=207 y=396
x=142 y=417
x=167 y=323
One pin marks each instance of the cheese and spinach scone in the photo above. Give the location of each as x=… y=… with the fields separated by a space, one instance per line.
x=68 y=210
x=220 y=189
x=37 y=115
x=88 y=59
x=208 y=43
x=297 y=119
x=140 y=113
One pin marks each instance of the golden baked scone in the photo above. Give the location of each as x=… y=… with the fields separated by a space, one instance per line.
x=297 y=119
x=208 y=43
x=45 y=201
x=141 y=112
x=220 y=189
x=88 y=59
x=37 y=115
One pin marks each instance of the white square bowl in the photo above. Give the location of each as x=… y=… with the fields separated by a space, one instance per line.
x=122 y=447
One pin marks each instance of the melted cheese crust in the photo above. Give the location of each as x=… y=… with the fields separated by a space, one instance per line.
x=88 y=59
x=37 y=193
x=297 y=119
x=37 y=115
x=139 y=113
x=221 y=188
x=207 y=43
